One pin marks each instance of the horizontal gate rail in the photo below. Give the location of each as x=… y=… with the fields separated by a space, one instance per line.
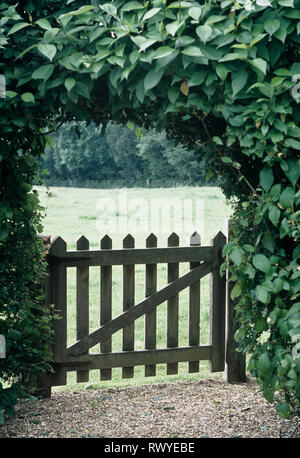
x=126 y=256
x=137 y=358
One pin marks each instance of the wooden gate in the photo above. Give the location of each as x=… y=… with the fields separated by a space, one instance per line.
x=203 y=260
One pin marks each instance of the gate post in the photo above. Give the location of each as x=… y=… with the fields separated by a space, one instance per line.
x=235 y=362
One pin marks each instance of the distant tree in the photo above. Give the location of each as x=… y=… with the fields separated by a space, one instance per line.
x=79 y=152
x=123 y=146
x=165 y=160
x=81 y=155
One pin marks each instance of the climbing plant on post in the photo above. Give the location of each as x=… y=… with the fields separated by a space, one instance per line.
x=222 y=73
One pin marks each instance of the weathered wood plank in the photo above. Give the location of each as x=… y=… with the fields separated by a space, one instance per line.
x=217 y=307
x=194 y=308
x=59 y=299
x=105 y=304
x=128 y=302
x=135 y=256
x=137 y=358
x=172 y=307
x=150 y=317
x=139 y=310
x=82 y=303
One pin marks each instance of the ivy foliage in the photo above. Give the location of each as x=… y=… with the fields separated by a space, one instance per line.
x=222 y=74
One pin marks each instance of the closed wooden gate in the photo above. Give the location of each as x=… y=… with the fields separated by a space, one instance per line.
x=203 y=260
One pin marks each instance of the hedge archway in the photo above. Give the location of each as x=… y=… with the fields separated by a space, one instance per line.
x=221 y=76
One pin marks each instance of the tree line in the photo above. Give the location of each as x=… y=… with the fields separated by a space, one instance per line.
x=89 y=156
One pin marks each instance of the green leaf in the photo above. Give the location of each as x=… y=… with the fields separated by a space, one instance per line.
x=11 y=94
x=173 y=94
x=268 y=242
x=70 y=83
x=271 y=25
x=259 y=64
x=262 y=294
x=109 y=9
x=162 y=51
x=81 y=10
x=204 y=32
x=239 y=80
x=274 y=214
x=236 y=291
x=195 y=12
x=222 y=71
x=173 y=27
x=233 y=56
x=281 y=34
x=291 y=169
x=283 y=409
x=142 y=42
x=3 y=231
x=192 y=51
x=197 y=78
x=286 y=3
x=292 y=143
x=277 y=285
x=27 y=97
x=149 y=14
x=284 y=228
x=44 y=24
x=261 y=262
x=17 y=27
x=152 y=78
x=217 y=140
x=264 y=363
x=47 y=50
x=130 y=6
x=226 y=160
x=266 y=178
x=214 y=19
x=237 y=255
x=287 y=197
x=43 y=72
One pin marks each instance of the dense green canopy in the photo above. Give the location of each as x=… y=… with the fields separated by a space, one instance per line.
x=220 y=74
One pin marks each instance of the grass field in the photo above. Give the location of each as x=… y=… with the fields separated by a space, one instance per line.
x=73 y=212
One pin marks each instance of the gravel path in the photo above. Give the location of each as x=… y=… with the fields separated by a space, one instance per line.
x=181 y=409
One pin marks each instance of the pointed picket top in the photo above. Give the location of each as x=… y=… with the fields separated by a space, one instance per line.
x=82 y=243
x=128 y=241
x=219 y=239
x=106 y=242
x=195 y=239
x=151 y=241
x=58 y=246
x=173 y=239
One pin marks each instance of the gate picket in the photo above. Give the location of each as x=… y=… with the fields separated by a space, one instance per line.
x=172 y=310
x=82 y=303
x=128 y=301
x=150 y=317
x=105 y=304
x=194 y=308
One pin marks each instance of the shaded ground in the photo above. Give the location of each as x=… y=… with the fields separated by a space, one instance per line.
x=182 y=409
